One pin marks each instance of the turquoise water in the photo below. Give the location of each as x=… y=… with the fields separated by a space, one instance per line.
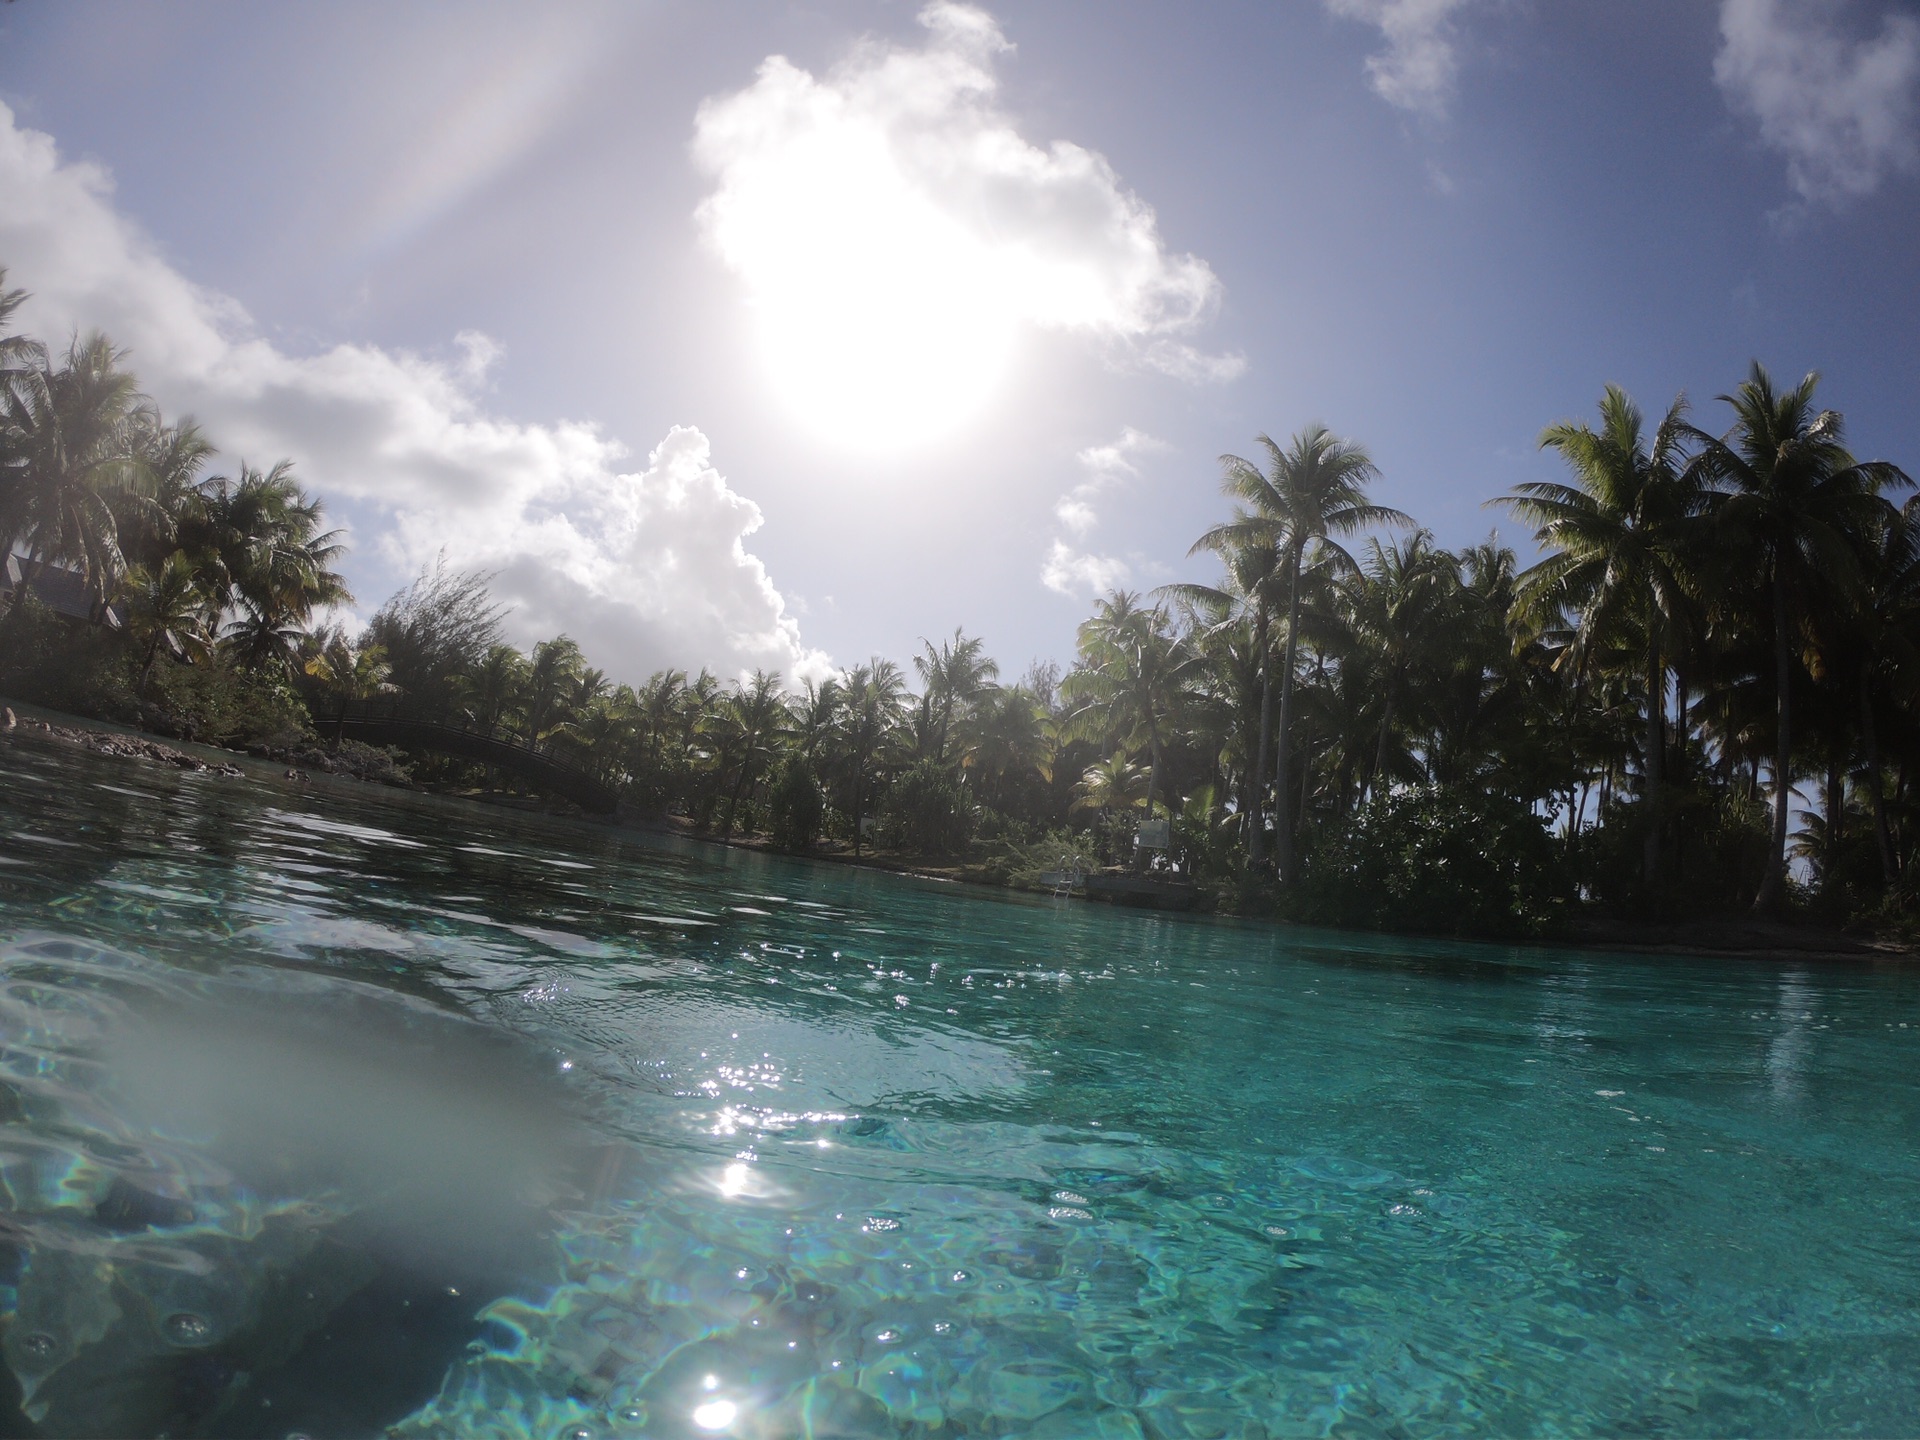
x=331 y=1112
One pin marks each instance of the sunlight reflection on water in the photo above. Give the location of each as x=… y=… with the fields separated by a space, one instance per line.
x=641 y=1140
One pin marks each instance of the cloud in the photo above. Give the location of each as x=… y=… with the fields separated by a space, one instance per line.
x=645 y=568
x=1105 y=466
x=896 y=234
x=1841 y=110
x=1416 y=70
x=1066 y=569
x=1072 y=573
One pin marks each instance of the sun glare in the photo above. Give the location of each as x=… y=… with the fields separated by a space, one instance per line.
x=879 y=317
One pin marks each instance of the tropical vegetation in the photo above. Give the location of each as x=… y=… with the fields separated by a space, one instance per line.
x=1700 y=696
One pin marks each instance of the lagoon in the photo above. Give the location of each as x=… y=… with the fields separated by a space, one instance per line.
x=339 y=1111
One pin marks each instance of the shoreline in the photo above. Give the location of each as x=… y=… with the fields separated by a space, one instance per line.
x=1734 y=938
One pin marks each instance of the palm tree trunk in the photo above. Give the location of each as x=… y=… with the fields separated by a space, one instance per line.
x=1836 y=804
x=1773 y=885
x=146 y=670
x=1655 y=744
x=1870 y=740
x=1380 y=750
x=1306 y=791
x=739 y=784
x=1257 y=807
x=1283 y=819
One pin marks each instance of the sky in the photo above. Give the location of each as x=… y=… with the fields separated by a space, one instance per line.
x=783 y=335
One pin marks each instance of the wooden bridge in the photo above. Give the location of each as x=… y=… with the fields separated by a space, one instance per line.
x=544 y=767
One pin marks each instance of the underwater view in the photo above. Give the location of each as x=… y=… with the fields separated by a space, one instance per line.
x=345 y=1112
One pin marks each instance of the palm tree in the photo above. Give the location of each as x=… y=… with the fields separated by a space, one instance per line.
x=493 y=686
x=20 y=356
x=1116 y=783
x=353 y=672
x=154 y=524
x=1884 y=626
x=169 y=612
x=1800 y=507
x=1006 y=739
x=68 y=451
x=1130 y=681
x=551 y=678
x=871 y=710
x=1619 y=537
x=955 y=674
x=261 y=551
x=1255 y=580
x=754 y=710
x=1401 y=604
x=1311 y=492
x=814 y=713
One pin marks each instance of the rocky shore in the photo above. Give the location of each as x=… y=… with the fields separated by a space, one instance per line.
x=124 y=747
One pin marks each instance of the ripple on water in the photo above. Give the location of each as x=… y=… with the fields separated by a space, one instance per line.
x=1306 y=1198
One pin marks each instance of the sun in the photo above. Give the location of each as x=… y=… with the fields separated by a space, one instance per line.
x=881 y=321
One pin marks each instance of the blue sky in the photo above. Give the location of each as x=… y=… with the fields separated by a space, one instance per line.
x=959 y=304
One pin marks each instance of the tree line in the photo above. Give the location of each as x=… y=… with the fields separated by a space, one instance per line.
x=1352 y=722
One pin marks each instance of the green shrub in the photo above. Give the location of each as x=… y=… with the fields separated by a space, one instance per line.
x=797 y=807
x=1713 y=854
x=1438 y=860
x=927 y=812
x=222 y=704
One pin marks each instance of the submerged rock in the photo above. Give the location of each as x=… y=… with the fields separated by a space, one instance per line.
x=219 y=1196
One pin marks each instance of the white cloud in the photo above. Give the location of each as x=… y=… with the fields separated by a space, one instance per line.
x=1071 y=572
x=896 y=234
x=644 y=568
x=1066 y=569
x=1416 y=70
x=1840 y=109
x=1105 y=466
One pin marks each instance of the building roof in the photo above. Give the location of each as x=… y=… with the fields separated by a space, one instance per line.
x=60 y=589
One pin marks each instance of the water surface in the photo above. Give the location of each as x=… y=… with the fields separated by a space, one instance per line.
x=336 y=1111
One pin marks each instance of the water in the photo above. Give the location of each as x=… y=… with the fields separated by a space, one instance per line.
x=331 y=1112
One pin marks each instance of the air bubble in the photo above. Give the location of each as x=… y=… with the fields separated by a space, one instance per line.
x=187 y=1328
x=39 y=1345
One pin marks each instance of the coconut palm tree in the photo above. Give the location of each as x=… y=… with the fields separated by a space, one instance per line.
x=1313 y=491
x=954 y=675
x=69 y=449
x=551 y=678
x=1007 y=740
x=1116 y=783
x=754 y=713
x=20 y=355
x=872 y=710
x=1402 y=604
x=262 y=552
x=1253 y=590
x=1887 y=631
x=162 y=516
x=1130 y=683
x=814 y=712
x=1800 y=507
x=1619 y=538
x=353 y=672
x=169 y=613
x=492 y=687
